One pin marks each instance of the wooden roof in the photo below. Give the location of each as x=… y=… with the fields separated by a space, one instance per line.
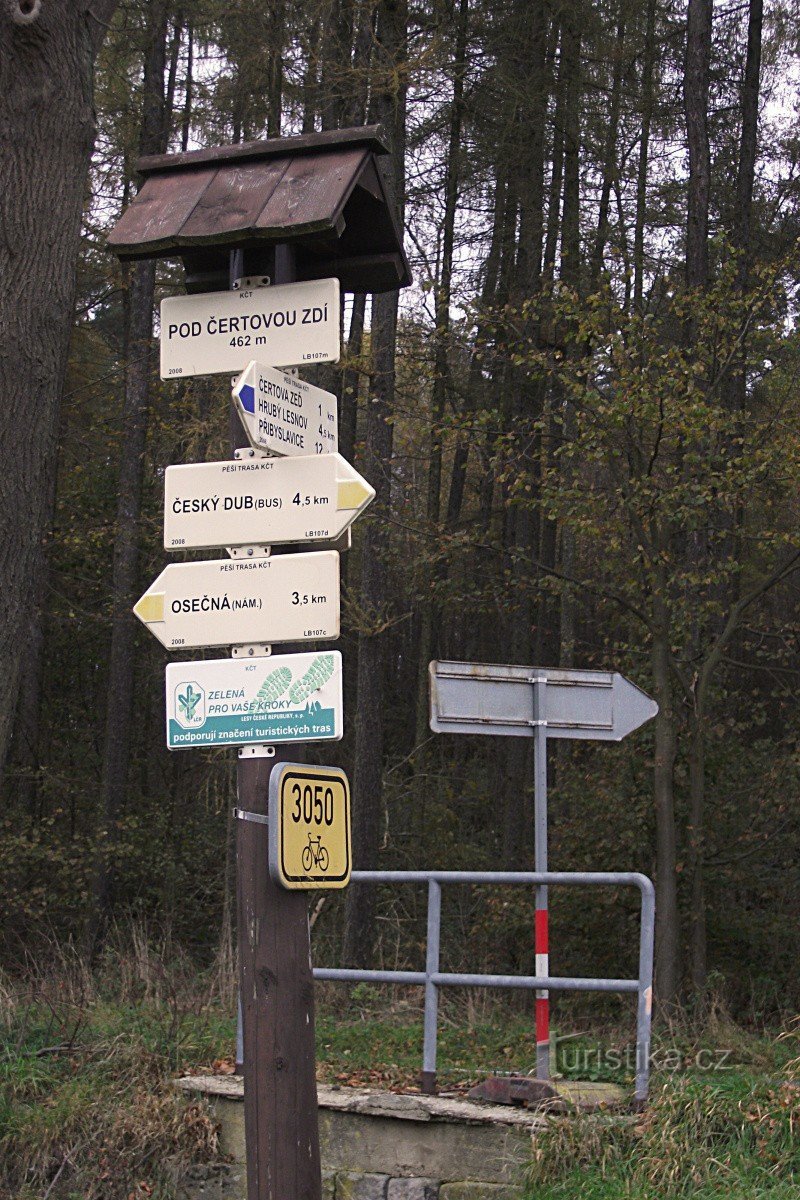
x=323 y=193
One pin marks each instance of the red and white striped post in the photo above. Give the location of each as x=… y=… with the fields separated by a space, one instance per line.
x=541 y=934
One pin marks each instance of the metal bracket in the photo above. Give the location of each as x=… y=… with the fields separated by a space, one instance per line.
x=241 y=814
x=249 y=551
x=251 y=281
x=257 y=751
x=251 y=650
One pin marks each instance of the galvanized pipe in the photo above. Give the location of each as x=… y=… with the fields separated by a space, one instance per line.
x=432 y=979
x=566 y=878
x=428 y=1080
x=644 y=1008
x=456 y=979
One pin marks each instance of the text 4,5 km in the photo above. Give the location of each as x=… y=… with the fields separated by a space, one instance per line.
x=304 y=501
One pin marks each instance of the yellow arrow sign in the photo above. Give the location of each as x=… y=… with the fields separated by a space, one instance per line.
x=269 y=501
x=228 y=602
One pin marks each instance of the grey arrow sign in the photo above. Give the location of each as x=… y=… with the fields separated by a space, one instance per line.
x=495 y=699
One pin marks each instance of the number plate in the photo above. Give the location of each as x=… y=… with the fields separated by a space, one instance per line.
x=309 y=826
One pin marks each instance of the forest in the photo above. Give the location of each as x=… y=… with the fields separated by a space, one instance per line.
x=581 y=421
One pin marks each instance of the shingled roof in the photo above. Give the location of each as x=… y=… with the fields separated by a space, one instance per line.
x=322 y=192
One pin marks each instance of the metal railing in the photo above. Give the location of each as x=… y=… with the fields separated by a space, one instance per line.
x=432 y=978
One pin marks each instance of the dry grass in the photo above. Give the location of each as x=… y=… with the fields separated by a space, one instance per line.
x=87 y=1108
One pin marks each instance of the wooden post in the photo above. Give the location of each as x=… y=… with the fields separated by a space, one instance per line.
x=276 y=982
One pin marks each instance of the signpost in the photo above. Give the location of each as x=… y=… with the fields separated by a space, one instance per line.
x=309 y=827
x=227 y=602
x=262 y=501
x=241 y=701
x=537 y=702
x=218 y=332
x=506 y=700
x=285 y=415
x=269 y=211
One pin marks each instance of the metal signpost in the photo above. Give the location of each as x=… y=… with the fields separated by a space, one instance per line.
x=252 y=600
x=219 y=332
x=285 y=415
x=309 y=827
x=255 y=701
x=537 y=702
x=260 y=218
x=250 y=502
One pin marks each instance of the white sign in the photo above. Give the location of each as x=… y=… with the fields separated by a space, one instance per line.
x=286 y=325
x=264 y=501
x=284 y=415
x=236 y=701
x=511 y=701
x=224 y=602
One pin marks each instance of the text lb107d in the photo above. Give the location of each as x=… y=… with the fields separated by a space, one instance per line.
x=309 y=827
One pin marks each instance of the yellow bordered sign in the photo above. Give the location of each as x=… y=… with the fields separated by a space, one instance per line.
x=309 y=826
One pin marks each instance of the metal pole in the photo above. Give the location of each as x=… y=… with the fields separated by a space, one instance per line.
x=239 y=1035
x=277 y=986
x=428 y=1080
x=541 y=933
x=644 y=1011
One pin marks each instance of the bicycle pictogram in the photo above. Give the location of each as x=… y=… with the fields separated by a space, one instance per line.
x=315 y=854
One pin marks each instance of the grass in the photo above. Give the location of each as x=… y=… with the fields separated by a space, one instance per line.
x=736 y=1141
x=87 y=1110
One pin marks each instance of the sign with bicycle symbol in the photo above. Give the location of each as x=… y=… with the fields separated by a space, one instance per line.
x=309 y=826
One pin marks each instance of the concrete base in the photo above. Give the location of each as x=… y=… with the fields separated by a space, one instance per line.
x=382 y=1146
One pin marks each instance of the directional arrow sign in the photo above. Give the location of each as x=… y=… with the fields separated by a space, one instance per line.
x=236 y=701
x=288 y=598
x=261 y=501
x=215 y=332
x=487 y=698
x=284 y=415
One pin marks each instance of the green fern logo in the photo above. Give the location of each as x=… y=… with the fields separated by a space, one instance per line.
x=188 y=702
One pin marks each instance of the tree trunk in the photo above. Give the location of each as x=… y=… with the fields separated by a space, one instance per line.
x=186 y=115
x=389 y=107
x=745 y=179
x=350 y=379
x=336 y=79
x=609 y=154
x=697 y=788
x=125 y=570
x=458 y=475
x=277 y=49
x=26 y=746
x=442 y=383
x=571 y=275
x=745 y=175
x=644 y=156
x=695 y=96
x=47 y=133
x=667 y=970
x=368 y=773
